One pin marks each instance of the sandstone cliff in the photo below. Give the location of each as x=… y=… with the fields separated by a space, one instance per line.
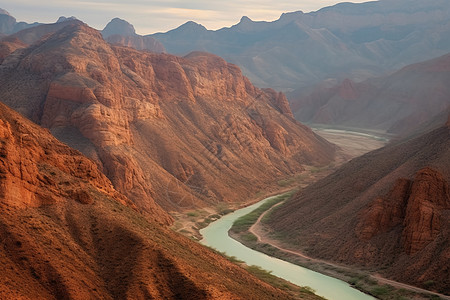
x=184 y=131
x=68 y=234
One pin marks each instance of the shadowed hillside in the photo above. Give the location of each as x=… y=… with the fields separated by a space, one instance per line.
x=388 y=211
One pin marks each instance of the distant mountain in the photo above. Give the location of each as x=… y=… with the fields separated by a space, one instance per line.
x=388 y=211
x=175 y=132
x=9 y=25
x=35 y=33
x=68 y=234
x=120 y=32
x=397 y=103
x=348 y=40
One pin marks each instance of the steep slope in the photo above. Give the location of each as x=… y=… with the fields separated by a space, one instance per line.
x=68 y=234
x=397 y=103
x=347 y=40
x=120 y=32
x=184 y=131
x=388 y=210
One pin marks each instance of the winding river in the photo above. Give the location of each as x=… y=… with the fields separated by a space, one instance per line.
x=216 y=236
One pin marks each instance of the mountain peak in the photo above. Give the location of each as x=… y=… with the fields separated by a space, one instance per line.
x=120 y=27
x=245 y=19
x=64 y=19
x=4 y=12
x=192 y=25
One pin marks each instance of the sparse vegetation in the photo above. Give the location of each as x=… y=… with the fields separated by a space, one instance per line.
x=360 y=280
x=243 y=223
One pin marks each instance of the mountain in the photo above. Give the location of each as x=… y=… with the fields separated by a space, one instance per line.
x=396 y=103
x=387 y=211
x=68 y=234
x=347 y=40
x=33 y=34
x=175 y=132
x=120 y=32
x=9 y=25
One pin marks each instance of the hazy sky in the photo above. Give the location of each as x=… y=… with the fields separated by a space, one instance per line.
x=158 y=16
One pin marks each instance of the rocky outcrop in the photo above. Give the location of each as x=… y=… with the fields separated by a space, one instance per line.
x=185 y=131
x=414 y=205
x=385 y=212
x=280 y=102
x=430 y=196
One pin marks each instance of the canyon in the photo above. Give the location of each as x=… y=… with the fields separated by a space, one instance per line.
x=158 y=136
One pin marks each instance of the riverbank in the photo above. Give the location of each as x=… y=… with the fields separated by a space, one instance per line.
x=255 y=236
x=216 y=236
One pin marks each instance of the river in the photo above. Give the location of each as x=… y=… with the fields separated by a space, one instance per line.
x=216 y=236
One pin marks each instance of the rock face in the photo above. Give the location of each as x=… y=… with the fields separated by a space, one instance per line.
x=398 y=103
x=416 y=205
x=34 y=168
x=120 y=32
x=67 y=233
x=347 y=40
x=429 y=196
x=185 y=132
x=388 y=210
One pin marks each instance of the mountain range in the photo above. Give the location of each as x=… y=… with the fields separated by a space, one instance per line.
x=347 y=40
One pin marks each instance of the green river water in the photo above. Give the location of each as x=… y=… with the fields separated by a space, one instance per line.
x=216 y=236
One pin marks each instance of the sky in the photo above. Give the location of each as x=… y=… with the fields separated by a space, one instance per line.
x=159 y=16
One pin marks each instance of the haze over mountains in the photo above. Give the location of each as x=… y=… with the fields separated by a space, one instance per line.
x=347 y=40
x=397 y=103
x=388 y=210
